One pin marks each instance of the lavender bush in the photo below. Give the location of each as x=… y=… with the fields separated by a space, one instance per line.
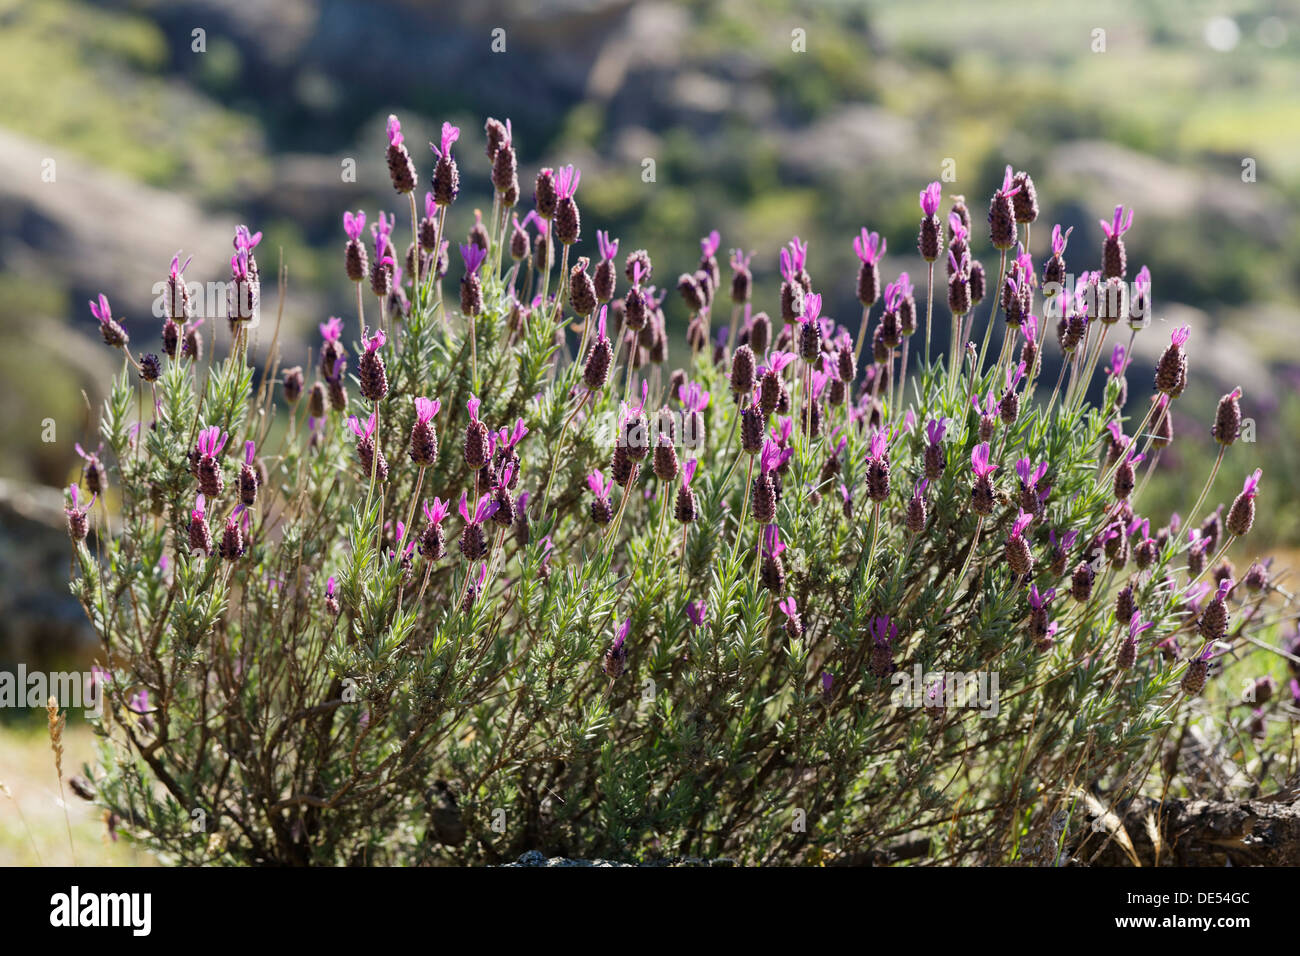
x=502 y=570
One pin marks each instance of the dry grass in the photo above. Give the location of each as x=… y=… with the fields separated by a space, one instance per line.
x=27 y=770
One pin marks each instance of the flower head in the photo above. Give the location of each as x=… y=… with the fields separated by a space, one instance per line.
x=1119 y=360
x=608 y=249
x=793 y=259
x=449 y=136
x=566 y=181
x=426 y=409
x=508 y=438
x=869 y=246
x=959 y=231
x=1014 y=375
x=1059 y=239
x=960 y=267
x=931 y=196
x=1142 y=282
x=486 y=508
x=473 y=257
x=363 y=433
x=1030 y=475
x=879 y=446
x=331 y=329
x=896 y=292
x=394 y=131
x=101 y=310
x=176 y=268
x=1066 y=541
x=812 y=307
x=1007 y=188
x=697 y=612
x=979 y=460
x=776 y=362
x=354 y=225
x=771 y=544
x=436 y=512
x=211 y=441
x=1251 y=487
x=883 y=631
x=1039 y=601
x=600 y=485
x=692 y=397
x=1119 y=225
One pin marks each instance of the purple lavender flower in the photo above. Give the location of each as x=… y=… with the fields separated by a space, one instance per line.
x=449 y=136
x=114 y=335
x=138 y=703
x=78 y=527
x=472 y=256
x=354 y=225
x=567 y=219
x=200 y=535
x=869 y=246
x=1060 y=239
x=616 y=655
x=697 y=612
x=793 y=623
x=484 y=509
x=883 y=634
x=1241 y=516
x=1114 y=262
x=601 y=510
x=931 y=196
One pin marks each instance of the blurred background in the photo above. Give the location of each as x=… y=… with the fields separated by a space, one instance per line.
x=129 y=130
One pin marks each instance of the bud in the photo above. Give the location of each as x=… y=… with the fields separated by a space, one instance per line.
x=916 y=514
x=1125 y=604
x=1002 y=221
x=868 y=283
x=763 y=499
x=232 y=540
x=1227 y=420
x=582 y=291
x=1193 y=681
x=476 y=445
x=365 y=455
x=772 y=573
x=1081 y=582
x=1019 y=558
x=928 y=242
x=791 y=301
x=666 y=466
x=473 y=543
x=316 y=399
x=1241 y=516
x=1024 y=202
x=982 y=497
x=595 y=372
